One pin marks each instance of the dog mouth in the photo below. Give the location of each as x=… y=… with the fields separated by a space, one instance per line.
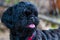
x=31 y=26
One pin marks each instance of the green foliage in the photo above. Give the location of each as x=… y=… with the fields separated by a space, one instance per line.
x=7 y=1
x=54 y=26
x=16 y=1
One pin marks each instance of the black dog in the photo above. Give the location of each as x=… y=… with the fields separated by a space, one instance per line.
x=22 y=20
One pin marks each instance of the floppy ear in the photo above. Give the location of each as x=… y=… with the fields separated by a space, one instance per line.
x=7 y=18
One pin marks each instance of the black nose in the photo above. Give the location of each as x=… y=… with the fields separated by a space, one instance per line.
x=32 y=19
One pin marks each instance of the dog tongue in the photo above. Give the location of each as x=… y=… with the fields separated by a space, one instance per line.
x=31 y=26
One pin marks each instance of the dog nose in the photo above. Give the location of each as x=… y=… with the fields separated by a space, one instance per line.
x=32 y=19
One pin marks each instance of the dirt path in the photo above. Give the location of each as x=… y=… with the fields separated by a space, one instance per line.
x=4 y=35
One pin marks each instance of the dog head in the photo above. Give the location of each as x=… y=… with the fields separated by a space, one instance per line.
x=22 y=16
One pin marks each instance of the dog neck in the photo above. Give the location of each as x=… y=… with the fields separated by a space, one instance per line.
x=32 y=37
x=18 y=37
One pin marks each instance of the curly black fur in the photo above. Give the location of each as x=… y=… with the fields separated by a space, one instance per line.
x=17 y=17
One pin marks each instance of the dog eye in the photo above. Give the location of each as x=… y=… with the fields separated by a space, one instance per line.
x=35 y=13
x=27 y=13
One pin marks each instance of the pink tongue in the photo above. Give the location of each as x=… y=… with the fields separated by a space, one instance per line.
x=31 y=26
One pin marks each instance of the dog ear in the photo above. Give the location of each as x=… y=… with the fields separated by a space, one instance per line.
x=7 y=18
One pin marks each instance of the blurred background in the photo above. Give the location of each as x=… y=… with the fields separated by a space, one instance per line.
x=49 y=14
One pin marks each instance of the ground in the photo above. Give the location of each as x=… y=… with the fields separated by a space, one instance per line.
x=4 y=35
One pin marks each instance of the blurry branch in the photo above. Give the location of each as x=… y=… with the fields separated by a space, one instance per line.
x=50 y=19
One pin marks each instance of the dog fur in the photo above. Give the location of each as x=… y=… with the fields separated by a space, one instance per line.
x=17 y=17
